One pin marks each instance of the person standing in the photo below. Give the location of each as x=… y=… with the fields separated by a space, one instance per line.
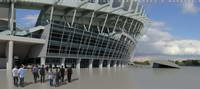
x=57 y=75
x=69 y=74
x=47 y=68
x=21 y=73
x=51 y=77
x=35 y=71
x=42 y=74
x=62 y=72
x=15 y=75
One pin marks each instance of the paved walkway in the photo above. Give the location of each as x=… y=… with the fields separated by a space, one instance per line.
x=84 y=79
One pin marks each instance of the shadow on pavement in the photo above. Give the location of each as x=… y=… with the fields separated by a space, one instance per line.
x=27 y=84
x=75 y=79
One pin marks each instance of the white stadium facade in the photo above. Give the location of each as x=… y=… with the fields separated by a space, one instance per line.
x=80 y=33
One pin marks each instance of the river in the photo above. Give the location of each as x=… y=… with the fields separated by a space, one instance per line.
x=117 y=78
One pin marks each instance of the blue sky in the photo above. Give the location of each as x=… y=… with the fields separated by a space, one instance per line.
x=26 y=18
x=174 y=31
x=182 y=25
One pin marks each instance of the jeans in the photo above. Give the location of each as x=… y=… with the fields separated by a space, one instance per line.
x=21 y=82
x=15 y=81
x=57 y=82
x=51 y=82
x=62 y=78
x=42 y=78
x=69 y=76
x=35 y=75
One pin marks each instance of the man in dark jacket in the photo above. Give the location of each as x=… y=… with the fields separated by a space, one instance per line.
x=42 y=74
x=69 y=74
x=62 y=72
x=57 y=77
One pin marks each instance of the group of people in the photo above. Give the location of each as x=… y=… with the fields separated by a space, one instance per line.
x=56 y=76
x=18 y=75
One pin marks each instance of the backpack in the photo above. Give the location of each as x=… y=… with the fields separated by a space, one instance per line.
x=42 y=71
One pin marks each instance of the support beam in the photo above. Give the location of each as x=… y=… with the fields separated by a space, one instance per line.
x=91 y=20
x=123 y=64
x=11 y=18
x=10 y=55
x=116 y=9
x=123 y=28
x=78 y=63
x=108 y=64
x=42 y=61
x=131 y=5
x=119 y=63
x=51 y=15
x=74 y=16
x=63 y=62
x=137 y=8
x=83 y=3
x=102 y=7
x=10 y=43
x=130 y=26
x=116 y=23
x=100 y=64
x=47 y=34
x=104 y=23
x=90 y=63
x=115 y=64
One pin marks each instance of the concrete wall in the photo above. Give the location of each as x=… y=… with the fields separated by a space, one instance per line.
x=3 y=63
x=21 y=50
x=4 y=13
x=2 y=50
x=35 y=51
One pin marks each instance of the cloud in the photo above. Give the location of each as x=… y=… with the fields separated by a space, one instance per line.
x=157 y=24
x=180 y=47
x=160 y=42
x=190 y=7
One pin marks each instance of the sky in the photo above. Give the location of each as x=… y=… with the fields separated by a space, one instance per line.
x=26 y=18
x=174 y=30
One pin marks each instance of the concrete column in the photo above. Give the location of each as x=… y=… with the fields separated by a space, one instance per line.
x=123 y=64
x=115 y=64
x=63 y=62
x=42 y=61
x=78 y=63
x=11 y=17
x=100 y=64
x=9 y=49
x=108 y=63
x=10 y=55
x=90 y=63
x=120 y=64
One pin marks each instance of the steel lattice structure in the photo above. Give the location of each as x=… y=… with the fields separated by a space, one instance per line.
x=86 y=33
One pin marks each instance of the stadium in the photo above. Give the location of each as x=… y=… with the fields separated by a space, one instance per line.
x=77 y=33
